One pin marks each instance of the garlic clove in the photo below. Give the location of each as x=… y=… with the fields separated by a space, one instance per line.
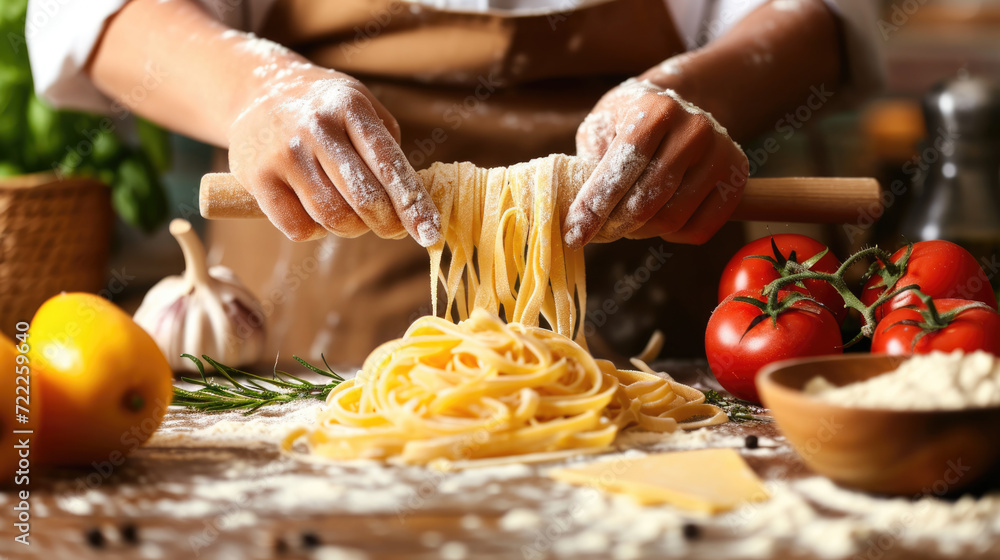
x=204 y=311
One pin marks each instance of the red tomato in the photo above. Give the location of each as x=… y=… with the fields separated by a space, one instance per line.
x=744 y=273
x=941 y=269
x=735 y=354
x=971 y=330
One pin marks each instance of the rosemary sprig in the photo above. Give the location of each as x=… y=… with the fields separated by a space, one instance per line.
x=255 y=391
x=736 y=411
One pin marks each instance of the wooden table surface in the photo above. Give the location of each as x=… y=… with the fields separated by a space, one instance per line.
x=247 y=500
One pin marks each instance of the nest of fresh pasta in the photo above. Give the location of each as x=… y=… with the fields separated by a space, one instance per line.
x=488 y=387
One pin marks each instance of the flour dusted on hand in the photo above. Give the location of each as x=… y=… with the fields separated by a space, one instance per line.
x=318 y=152
x=935 y=381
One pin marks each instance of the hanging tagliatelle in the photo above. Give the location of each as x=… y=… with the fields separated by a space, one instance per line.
x=485 y=388
x=509 y=220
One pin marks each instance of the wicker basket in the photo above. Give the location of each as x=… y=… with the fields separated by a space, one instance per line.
x=54 y=236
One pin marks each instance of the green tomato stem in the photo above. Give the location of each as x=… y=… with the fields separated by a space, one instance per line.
x=836 y=279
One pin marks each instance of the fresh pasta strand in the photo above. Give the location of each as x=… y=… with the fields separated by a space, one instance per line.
x=503 y=230
x=484 y=388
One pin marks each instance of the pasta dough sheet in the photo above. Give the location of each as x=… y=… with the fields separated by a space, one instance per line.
x=705 y=480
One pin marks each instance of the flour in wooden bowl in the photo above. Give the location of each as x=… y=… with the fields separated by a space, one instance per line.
x=935 y=381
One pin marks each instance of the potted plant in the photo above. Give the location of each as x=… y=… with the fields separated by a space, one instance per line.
x=63 y=176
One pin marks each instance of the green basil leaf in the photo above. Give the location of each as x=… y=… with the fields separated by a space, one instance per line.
x=9 y=169
x=45 y=135
x=14 y=123
x=13 y=47
x=137 y=195
x=155 y=142
x=108 y=149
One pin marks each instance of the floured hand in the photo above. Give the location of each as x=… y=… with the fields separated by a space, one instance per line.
x=321 y=154
x=666 y=169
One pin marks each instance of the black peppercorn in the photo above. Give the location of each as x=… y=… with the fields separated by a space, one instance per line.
x=310 y=539
x=752 y=442
x=95 y=537
x=130 y=533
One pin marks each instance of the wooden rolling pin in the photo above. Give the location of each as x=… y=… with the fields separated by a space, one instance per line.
x=819 y=200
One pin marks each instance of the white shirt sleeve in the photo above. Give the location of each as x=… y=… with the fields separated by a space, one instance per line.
x=62 y=35
x=60 y=38
x=699 y=23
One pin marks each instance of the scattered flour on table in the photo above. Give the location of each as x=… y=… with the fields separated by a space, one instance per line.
x=935 y=381
x=790 y=521
x=267 y=426
x=431 y=539
x=453 y=550
x=471 y=522
x=520 y=519
x=808 y=516
x=338 y=553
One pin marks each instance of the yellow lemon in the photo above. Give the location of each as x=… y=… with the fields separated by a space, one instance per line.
x=106 y=382
x=19 y=410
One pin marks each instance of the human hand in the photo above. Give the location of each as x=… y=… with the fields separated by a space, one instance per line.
x=665 y=169
x=321 y=154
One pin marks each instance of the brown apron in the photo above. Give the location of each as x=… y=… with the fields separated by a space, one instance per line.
x=485 y=88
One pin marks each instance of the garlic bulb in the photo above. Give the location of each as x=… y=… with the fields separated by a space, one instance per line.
x=205 y=311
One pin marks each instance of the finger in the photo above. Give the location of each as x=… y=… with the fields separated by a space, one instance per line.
x=388 y=120
x=649 y=193
x=283 y=208
x=626 y=158
x=725 y=184
x=693 y=190
x=385 y=159
x=322 y=200
x=713 y=213
x=658 y=182
x=357 y=185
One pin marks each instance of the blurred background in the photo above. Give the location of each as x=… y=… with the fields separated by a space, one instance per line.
x=943 y=61
x=932 y=137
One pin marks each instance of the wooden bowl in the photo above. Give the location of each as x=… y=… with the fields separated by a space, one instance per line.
x=901 y=452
